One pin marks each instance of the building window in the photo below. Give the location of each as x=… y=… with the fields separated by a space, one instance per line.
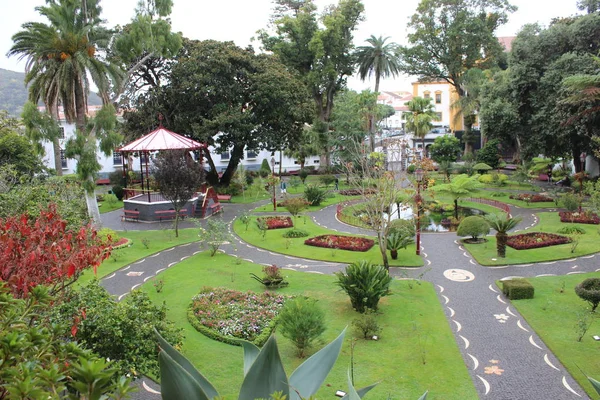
x=438 y=116
x=117 y=158
x=296 y=162
x=426 y=95
x=251 y=154
x=63 y=160
x=276 y=162
x=61 y=132
x=316 y=161
x=438 y=98
x=225 y=156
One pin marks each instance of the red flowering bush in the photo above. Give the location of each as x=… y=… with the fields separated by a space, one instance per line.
x=357 y=192
x=341 y=242
x=532 y=198
x=580 y=218
x=236 y=314
x=277 y=222
x=536 y=239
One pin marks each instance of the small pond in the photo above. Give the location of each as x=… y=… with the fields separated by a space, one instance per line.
x=432 y=221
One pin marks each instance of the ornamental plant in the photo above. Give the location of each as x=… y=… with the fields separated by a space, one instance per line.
x=365 y=284
x=501 y=223
x=295 y=205
x=43 y=251
x=350 y=243
x=314 y=195
x=589 y=290
x=276 y=222
x=272 y=277
x=398 y=240
x=473 y=226
x=534 y=240
x=301 y=321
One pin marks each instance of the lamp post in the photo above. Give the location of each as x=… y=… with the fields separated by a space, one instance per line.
x=273 y=182
x=582 y=158
x=419 y=176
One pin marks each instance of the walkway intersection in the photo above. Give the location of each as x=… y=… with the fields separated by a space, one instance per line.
x=505 y=357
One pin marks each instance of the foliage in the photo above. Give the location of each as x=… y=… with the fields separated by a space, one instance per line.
x=420 y=114
x=494 y=178
x=366 y=324
x=276 y=222
x=44 y=252
x=122 y=332
x=314 y=195
x=365 y=284
x=295 y=205
x=580 y=218
x=271 y=278
x=489 y=154
x=517 y=289
x=303 y=174
x=570 y=201
x=589 y=290
x=119 y=192
x=17 y=151
x=263 y=373
x=215 y=235
x=460 y=186
x=531 y=198
x=399 y=240
x=481 y=167
x=301 y=321
x=265 y=169
x=402 y=225
x=473 y=226
x=534 y=240
x=111 y=199
x=445 y=148
x=295 y=233
x=327 y=180
x=233 y=314
x=571 y=230
x=501 y=223
x=38 y=363
x=349 y=243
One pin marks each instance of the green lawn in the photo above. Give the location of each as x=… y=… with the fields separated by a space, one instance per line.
x=274 y=241
x=334 y=198
x=106 y=207
x=554 y=315
x=589 y=243
x=157 y=241
x=487 y=194
x=416 y=351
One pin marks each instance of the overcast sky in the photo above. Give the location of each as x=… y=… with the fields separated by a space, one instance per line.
x=238 y=20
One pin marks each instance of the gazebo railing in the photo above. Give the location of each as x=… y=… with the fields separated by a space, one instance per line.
x=149 y=197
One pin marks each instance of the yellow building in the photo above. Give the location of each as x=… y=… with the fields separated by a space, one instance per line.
x=443 y=95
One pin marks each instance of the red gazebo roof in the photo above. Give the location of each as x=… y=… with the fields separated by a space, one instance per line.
x=162 y=139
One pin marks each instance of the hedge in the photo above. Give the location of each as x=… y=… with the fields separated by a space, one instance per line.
x=517 y=289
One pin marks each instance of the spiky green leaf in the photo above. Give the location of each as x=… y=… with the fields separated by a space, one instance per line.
x=362 y=391
x=177 y=383
x=250 y=354
x=424 y=397
x=266 y=375
x=595 y=384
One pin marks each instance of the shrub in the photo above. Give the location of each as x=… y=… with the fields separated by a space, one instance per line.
x=327 y=180
x=314 y=195
x=486 y=179
x=301 y=321
x=265 y=169
x=365 y=284
x=473 y=226
x=249 y=176
x=295 y=205
x=489 y=154
x=571 y=230
x=481 y=167
x=589 y=290
x=366 y=324
x=570 y=202
x=118 y=191
x=234 y=188
x=350 y=243
x=303 y=174
x=116 y=178
x=108 y=236
x=402 y=225
x=111 y=199
x=294 y=182
x=295 y=233
x=411 y=168
x=214 y=235
x=517 y=289
x=398 y=240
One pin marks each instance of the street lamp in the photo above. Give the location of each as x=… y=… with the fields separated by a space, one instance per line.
x=273 y=182
x=582 y=158
x=418 y=200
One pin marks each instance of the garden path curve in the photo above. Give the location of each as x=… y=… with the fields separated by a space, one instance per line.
x=505 y=357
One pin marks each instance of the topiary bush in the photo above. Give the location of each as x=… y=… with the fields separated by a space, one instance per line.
x=365 y=284
x=314 y=195
x=265 y=169
x=473 y=226
x=517 y=289
x=481 y=167
x=118 y=191
x=589 y=290
x=302 y=321
x=295 y=233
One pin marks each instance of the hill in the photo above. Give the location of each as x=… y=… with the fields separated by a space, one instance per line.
x=13 y=93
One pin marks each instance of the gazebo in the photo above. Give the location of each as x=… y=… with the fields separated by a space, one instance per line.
x=145 y=205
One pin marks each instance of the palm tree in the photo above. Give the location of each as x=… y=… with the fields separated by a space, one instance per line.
x=469 y=103
x=461 y=186
x=308 y=146
x=501 y=223
x=60 y=56
x=421 y=112
x=381 y=60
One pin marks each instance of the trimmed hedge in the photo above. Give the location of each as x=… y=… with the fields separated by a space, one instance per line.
x=517 y=289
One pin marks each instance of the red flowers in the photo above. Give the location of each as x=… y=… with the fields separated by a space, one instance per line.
x=341 y=242
x=536 y=239
x=532 y=198
x=580 y=218
x=277 y=222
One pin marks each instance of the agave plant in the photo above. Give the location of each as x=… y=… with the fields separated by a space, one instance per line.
x=264 y=375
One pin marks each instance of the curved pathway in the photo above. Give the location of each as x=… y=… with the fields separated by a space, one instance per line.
x=505 y=357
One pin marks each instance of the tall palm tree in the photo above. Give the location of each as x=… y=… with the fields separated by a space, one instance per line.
x=469 y=104
x=60 y=56
x=379 y=59
x=421 y=112
x=501 y=223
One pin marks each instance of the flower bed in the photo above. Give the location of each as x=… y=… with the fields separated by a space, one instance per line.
x=357 y=192
x=532 y=198
x=341 y=242
x=580 y=218
x=121 y=243
x=534 y=240
x=227 y=315
x=277 y=222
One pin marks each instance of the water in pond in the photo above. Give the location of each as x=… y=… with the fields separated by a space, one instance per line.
x=432 y=220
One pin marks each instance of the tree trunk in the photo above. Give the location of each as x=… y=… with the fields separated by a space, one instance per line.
x=501 y=239
x=236 y=155
x=456 y=209
x=394 y=254
x=212 y=176
x=383 y=248
x=424 y=153
x=92 y=204
x=57 y=159
x=177 y=222
x=467 y=135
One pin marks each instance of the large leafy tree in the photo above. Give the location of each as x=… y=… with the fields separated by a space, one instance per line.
x=381 y=60
x=251 y=101
x=420 y=114
x=450 y=37
x=461 y=186
x=16 y=150
x=319 y=48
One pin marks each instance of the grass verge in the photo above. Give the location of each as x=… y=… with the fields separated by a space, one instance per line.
x=105 y=207
x=274 y=241
x=549 y=222
x=554 y=313
x=416 y=351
